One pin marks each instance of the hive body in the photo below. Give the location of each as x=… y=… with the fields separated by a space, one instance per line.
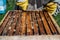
x=28 y=23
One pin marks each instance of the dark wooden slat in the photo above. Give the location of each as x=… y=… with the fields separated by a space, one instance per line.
x=55 y=23
x=28 y=22
x=12 y=30
x=23 y=23
x=18 y=27
x=7 y=26
x=5 y=22
x=34 y=22
x=45 y=23
x=40 y=23
x=50 y=23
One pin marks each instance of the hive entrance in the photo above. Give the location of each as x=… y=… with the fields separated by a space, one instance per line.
x=28 y=23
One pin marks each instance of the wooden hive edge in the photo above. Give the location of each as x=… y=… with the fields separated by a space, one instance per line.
x=54 y=21
x=4 y=18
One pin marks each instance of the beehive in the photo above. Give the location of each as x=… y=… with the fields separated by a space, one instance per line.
x=28 y=23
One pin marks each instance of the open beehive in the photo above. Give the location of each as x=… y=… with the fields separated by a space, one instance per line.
x=28 y=23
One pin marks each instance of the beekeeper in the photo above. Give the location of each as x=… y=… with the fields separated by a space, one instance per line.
x=21 y=4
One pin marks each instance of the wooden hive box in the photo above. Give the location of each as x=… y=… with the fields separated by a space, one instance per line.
x=28 y=23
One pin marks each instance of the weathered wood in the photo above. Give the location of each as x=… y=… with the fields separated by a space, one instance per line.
x=29 y=23
x=34 y=24
x=50 y=23
x=45 y=23
x=5 y=22
x=55 y=23
x=18 y=27
x=40 y=23
x=4 y=17
x=23 y=23
x=15 y=17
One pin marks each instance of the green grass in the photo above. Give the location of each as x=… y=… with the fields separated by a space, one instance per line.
x=57 y=18
x=1 y=16
x=10 y=6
